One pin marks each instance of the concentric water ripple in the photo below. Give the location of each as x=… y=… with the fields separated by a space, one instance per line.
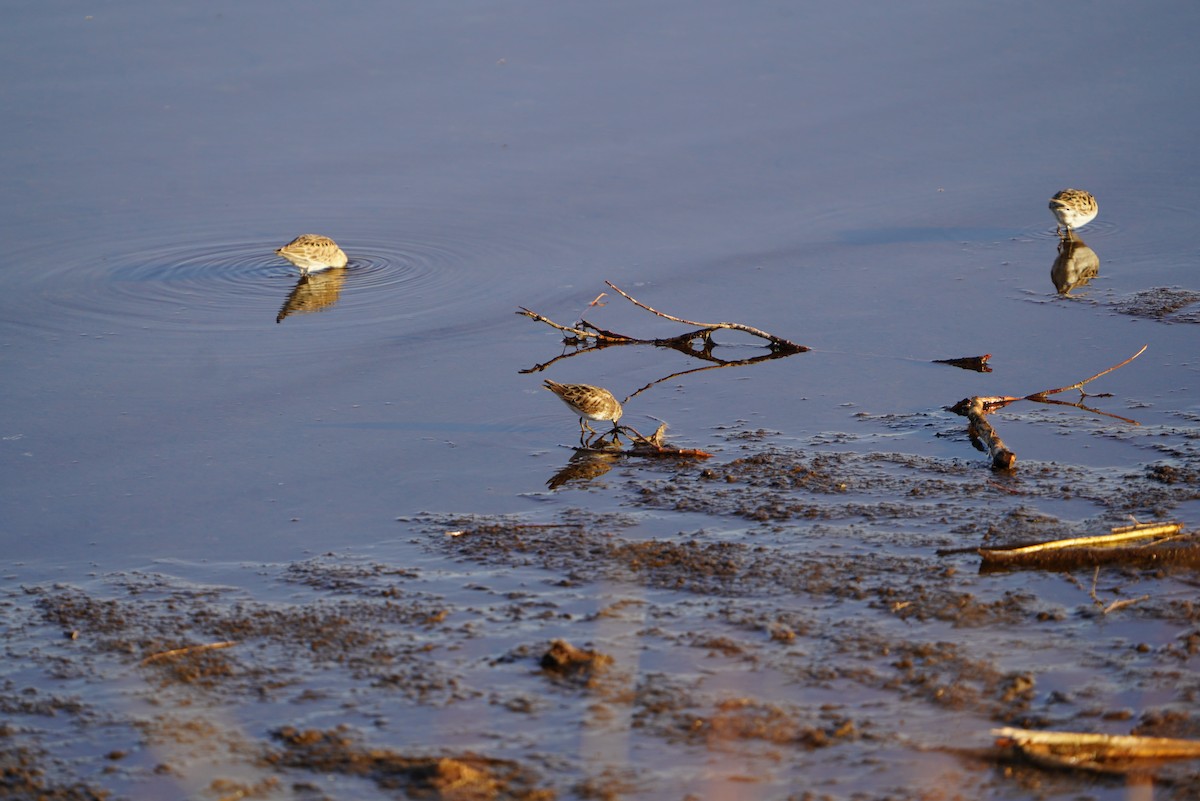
x=1097 y=229
x=236 y=285
x=201 y=280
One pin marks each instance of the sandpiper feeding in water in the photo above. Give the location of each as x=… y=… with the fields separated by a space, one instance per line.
x=590 y=403
x=312 y=253
x=1073 y=208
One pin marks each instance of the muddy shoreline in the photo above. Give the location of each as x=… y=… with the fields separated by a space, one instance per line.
x=778 y=645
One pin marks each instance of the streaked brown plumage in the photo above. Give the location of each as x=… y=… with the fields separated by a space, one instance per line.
x=590 y=403
x=312 y=252
x=1073 y=208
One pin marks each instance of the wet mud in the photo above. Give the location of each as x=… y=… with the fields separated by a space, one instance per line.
x=775 y=647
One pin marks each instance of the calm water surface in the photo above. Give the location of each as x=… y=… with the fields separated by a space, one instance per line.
x=869 y=180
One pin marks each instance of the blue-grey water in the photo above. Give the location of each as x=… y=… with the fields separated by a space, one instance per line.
x=866 y=179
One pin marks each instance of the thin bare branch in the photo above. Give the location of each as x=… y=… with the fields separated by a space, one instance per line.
x=1038 y=396
x=579 y=332
x=776 y=342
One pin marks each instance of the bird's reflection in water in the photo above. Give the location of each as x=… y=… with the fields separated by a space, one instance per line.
x=584 y=465
x=314 y=292
x=1076 y=265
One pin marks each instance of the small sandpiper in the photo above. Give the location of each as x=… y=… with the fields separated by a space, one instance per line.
x=590 y=403
x=1073 y=208
x=313 y=253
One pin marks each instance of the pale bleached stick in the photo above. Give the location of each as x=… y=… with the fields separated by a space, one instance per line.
x=189 y=649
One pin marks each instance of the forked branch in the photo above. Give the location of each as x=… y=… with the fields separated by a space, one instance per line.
x=584 y=331
x=777 y=343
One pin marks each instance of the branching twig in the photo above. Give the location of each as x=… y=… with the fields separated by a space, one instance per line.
x=776 y=342
x=1039 y=396
x=580 y=333
x=1113 y=606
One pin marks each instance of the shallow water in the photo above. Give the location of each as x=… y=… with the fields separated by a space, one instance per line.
x=868 y=182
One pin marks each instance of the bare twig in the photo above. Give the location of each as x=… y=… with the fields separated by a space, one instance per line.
x=1037 y=396
x=579 y=332
x=1113 y=606
x=778 y=343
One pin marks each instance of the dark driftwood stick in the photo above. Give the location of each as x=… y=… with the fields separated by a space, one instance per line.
x=981 y=429
x=778 y=343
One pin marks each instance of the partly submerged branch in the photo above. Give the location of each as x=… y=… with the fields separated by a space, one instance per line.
x=1137 y=545
x=983 y=436
x=977 y=363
